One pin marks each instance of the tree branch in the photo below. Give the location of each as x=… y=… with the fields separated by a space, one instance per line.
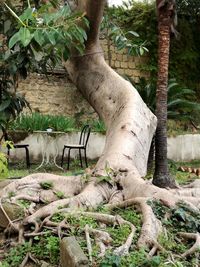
x=94 y=12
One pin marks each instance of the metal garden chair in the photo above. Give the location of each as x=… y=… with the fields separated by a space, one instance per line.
x=25 y=146
x=83 y=141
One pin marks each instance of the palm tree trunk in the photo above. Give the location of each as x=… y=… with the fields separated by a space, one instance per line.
x=161 y=175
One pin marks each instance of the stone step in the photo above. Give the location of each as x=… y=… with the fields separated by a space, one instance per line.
x=71 y=254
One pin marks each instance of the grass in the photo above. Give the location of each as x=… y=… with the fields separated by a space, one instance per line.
x=180 y=177
x=19 y=170
x=75 y=168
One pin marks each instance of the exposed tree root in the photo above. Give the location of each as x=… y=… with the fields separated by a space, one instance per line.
x=151 y=227
x=88 y=240
x=195 y=247
x=94 y=194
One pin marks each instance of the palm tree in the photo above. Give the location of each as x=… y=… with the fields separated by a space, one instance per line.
x=166 y=15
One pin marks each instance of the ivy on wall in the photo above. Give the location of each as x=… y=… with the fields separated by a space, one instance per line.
x=185 y=50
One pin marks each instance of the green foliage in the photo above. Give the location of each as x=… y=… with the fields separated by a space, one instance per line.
x=85 y=178
x=190 y=8
x=184 y=51
x=179 y=103
x=111 y=261
x=57 y=217
x=4 y=160
x=40 y=122
x=51 y=252
x=46 y=185
x=138 y=258
x=37 y=121
x=34 y=38
x=23 y=203
x=3 y=166
x=46 y=27
x=98 y=126
x=11 y=103
x=186 y=219
x=60 y=194
x=16 y=255
x=108 y=177
x=51 y=245
x=120 y=38
x=181 y=219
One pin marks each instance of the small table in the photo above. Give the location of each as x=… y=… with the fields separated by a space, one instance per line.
x=49 y=145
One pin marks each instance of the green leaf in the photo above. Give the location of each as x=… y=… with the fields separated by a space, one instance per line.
x=51 y=37
x=38 y=36
x=14 y=39
x=66 y=54
x=25 y=36
x=27 y=14
x=134 y=33
x=4 y=105
x=141 y=51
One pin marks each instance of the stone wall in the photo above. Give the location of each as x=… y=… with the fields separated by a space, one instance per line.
x=57 y=95
x=54 y=95
x=123 y=63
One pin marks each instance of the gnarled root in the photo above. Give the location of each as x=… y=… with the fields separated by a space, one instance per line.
x=151 y=227
x=195 y=247
x=137 y=193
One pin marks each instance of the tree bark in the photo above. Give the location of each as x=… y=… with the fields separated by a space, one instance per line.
x=130 y=124
x=161 y=176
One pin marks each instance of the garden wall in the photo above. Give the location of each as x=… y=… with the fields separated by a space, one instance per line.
x=57 y=95
x=180 y=148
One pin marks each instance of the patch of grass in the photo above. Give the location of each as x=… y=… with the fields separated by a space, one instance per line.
x=44 y=248
x=58 y=217
x=19 y=170
x=46 y=185
x=51 y=252
x=60 y=194
x=24 y=203
x=16 y=255
x=183 y=177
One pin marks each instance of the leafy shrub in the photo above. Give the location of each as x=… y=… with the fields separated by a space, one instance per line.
x=98 y=126
x=179 y=104
x=40 y=122
x=3 y=166
x=141 y=17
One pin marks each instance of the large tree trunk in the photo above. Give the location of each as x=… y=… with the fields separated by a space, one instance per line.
x=130 y=124
x=161 y=175
x=130 y=127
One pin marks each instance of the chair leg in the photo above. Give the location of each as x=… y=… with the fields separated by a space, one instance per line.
x=62 y=159
x=27 y=158
x=8 y=154
x=80 y=158
x=85 y=158
x=68 y=158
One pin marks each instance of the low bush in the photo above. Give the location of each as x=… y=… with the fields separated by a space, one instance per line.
x=40 y=122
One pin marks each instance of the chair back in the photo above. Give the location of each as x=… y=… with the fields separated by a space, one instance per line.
x=85 y=133
x=4 y=134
